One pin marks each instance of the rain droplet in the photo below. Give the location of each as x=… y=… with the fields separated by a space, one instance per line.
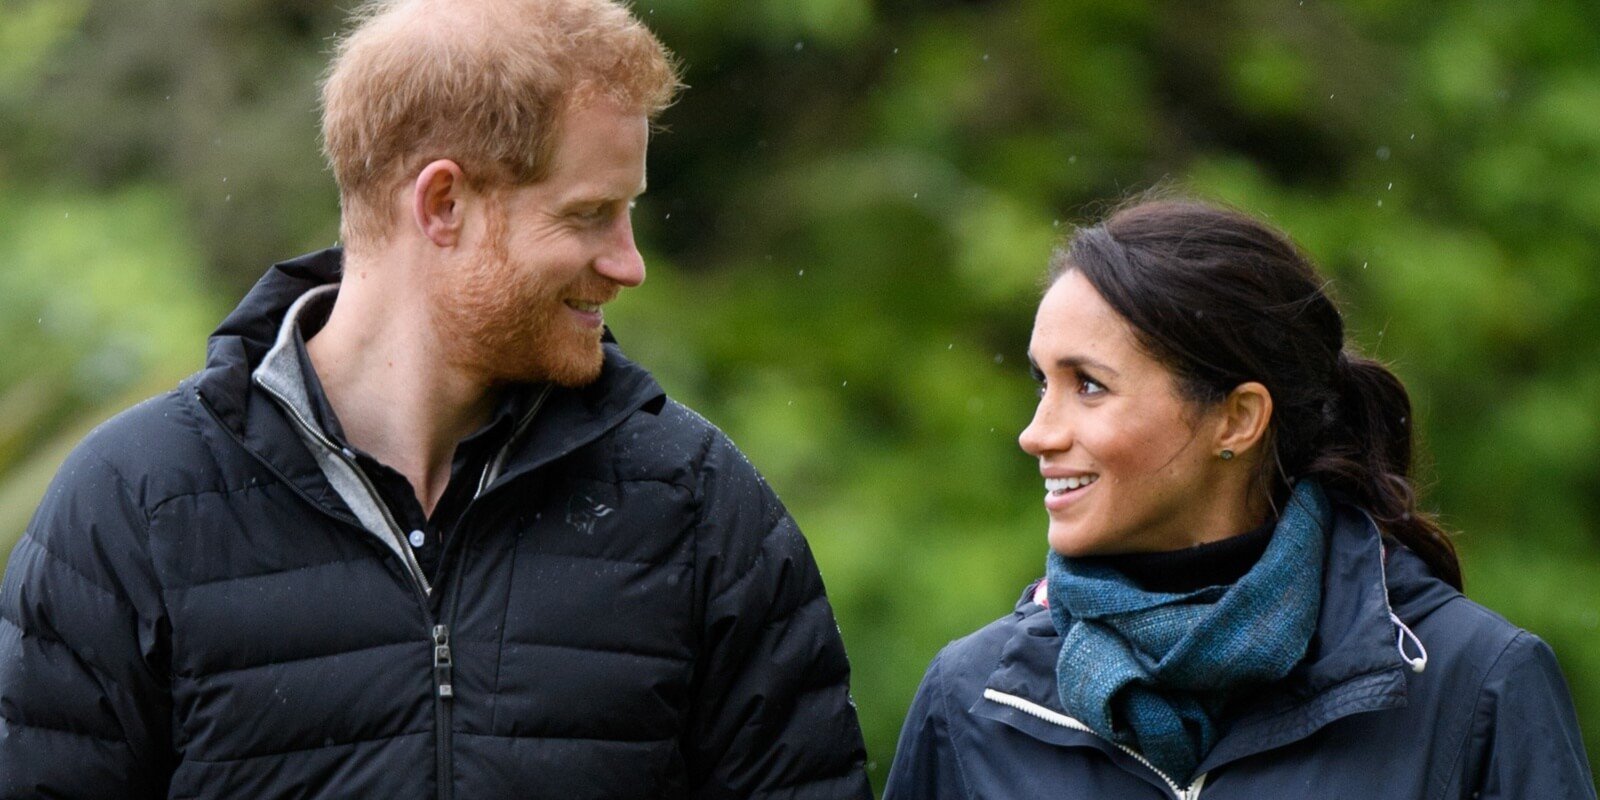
x=1390 y=187
x=798 y=46
x=1383 y=153
x=999 y=358
x=915 y=195
x=1363 y=265
x=801 y=273
x=897 y=51
x=1380 y=204
x=668 y=216
x=846 y=383
x=985 y=56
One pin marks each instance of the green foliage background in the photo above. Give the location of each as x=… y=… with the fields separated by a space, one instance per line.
x=846 y=227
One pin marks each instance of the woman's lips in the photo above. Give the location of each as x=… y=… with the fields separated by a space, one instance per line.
x=1063 y=492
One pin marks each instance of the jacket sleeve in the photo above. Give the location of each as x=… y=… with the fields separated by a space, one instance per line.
x=1525 y=732
x=772 y=715
x=82 y=712
x=925 y=763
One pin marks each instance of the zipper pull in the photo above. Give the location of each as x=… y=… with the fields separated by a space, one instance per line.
x=442 y=662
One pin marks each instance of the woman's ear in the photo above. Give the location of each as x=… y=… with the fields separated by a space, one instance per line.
x=1246 y=413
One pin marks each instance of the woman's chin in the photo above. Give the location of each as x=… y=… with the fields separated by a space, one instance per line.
x=1068 y=541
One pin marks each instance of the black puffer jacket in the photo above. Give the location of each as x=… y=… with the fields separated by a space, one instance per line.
x=625 y=611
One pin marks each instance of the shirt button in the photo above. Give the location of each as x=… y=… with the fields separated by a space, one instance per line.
x=418 y=538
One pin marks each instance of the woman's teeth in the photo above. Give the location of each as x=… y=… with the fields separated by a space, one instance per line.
x=1059 y=485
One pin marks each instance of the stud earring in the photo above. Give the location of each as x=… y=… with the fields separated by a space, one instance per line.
x=1227 y=455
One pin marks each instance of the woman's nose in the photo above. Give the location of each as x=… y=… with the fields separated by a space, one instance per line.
x=1048 y=432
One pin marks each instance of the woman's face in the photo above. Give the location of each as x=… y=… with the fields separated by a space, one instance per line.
x=1127 y=464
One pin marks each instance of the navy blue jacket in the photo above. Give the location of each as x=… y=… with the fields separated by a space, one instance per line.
x=624 y=610
x=1488 y=716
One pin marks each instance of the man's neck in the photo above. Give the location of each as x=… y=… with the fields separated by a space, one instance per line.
x=395 y=396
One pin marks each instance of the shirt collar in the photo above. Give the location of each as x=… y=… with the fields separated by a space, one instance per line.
x=513 y=401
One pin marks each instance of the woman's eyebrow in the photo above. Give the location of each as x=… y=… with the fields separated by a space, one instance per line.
x=1077 y=362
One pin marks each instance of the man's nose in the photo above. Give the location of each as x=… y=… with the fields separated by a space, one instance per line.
x=621 y=261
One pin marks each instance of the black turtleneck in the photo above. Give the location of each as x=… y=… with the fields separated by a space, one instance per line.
x=1218 y=563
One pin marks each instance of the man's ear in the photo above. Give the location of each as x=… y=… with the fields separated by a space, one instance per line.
x=1246 y=413
x=436 y=202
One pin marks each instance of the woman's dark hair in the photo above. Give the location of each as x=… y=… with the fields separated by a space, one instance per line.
x=1223 y=299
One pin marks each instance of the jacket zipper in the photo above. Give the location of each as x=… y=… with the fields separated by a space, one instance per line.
x=443 y=661
x=1032 y=709
x=492 y=469
x=444 y=692
x=407 y=556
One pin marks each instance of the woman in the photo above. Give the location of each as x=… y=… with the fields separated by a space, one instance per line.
x=1242 y=599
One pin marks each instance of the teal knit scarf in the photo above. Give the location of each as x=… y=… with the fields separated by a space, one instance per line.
x=1151 y=670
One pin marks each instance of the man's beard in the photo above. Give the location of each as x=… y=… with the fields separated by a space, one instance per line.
x=507 y=326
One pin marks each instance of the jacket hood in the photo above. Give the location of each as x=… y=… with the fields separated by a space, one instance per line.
x=246 y=334
x=1353 y=663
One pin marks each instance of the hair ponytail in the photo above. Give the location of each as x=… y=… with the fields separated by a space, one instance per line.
x=1366 y=453
x=1223 y=299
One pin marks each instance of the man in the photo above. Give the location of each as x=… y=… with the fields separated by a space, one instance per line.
x=418 y=528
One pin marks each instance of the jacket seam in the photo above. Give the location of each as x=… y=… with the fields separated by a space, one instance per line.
x=847 y=773
x=505 y=629
x=89 y=666
x=556 y=737
x=608 y=650
x=226 y=490
x=312 y=748
x=195 y=677
x=950 y=733
x=1466 y=734
x=73 y=570
x=258 y=575
x=122 y=742
x=747 y=572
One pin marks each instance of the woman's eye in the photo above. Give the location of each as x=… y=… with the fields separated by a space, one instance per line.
x=1038 y=378
x=1089 y=386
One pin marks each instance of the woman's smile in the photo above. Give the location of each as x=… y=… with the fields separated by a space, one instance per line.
x=1059 y=493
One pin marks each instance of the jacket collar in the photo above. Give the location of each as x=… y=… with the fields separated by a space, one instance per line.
x=568 y=419
x=1352 y=664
